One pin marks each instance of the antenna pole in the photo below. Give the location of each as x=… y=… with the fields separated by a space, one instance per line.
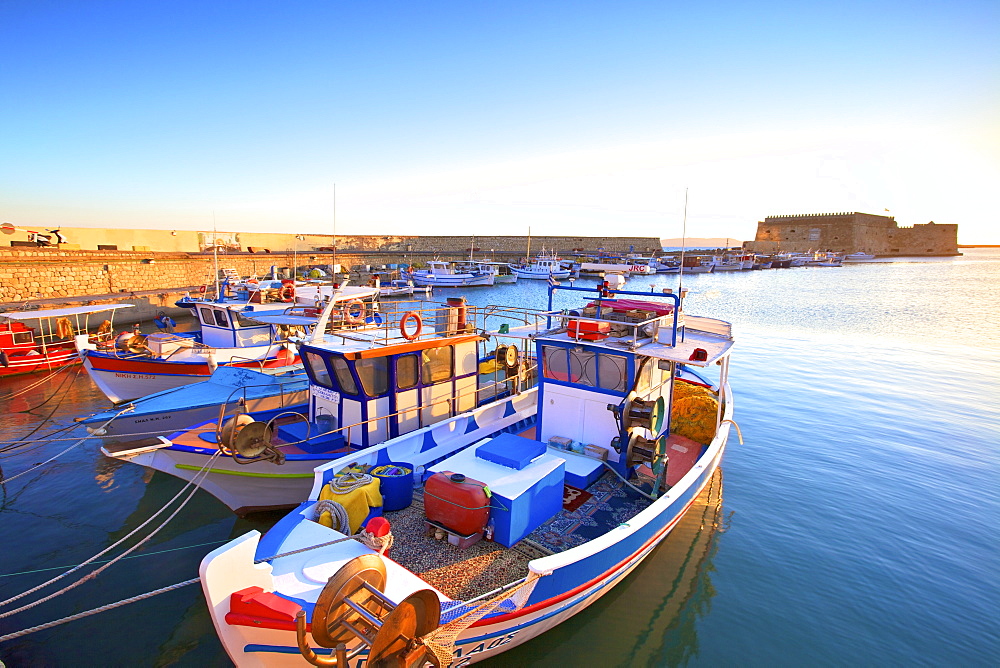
x=215 y=253
x=334 y=267
x=684 y=228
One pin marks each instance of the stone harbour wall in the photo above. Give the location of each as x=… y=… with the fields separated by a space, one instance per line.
x=64 y=272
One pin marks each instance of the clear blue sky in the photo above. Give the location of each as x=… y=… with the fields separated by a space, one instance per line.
x=492 y=117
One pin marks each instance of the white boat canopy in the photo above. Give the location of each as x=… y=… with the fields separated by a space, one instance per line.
x=63 y=312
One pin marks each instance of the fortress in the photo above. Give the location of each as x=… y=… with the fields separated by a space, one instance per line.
x=853 y=232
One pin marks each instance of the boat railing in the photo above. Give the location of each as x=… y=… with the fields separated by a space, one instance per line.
x=636 y=331
x=238 y=397
x=435 y=320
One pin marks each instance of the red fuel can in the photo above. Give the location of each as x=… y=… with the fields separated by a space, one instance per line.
x=457 y=503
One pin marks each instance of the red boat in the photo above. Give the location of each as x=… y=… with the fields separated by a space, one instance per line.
x=52 y=342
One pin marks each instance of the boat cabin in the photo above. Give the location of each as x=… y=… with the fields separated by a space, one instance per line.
x=15 y=336
x=226 y=326
x=409 y=385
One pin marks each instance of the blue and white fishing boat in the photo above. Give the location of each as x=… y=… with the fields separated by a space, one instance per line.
x=266 y=393
x=543 y=267
x=445 y=275
x=462 y=539
x=385 y=379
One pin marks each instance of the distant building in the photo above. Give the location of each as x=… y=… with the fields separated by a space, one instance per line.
x=853 y=232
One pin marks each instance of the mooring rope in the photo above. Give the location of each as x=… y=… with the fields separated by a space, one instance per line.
x=56 y=391
x=94 y=611
x=202 y=472
x=37 y=383
x=54 y=457
x=134 y=556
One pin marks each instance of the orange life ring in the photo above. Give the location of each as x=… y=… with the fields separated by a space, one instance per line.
x=203 y=289
x=402 y=325
x=351 y=318
x=287 y=293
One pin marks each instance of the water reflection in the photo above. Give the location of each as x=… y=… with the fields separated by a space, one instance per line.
x=649 y=619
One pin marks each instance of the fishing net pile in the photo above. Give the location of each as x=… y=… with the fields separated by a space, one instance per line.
x=694 y=412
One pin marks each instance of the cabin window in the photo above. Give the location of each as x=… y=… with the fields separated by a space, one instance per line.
x=407 y=372
x=645 y=378
x=23 y=337
x=374 y=375
x=214 y=317
x=317 y=368
x=244 y=321
x=555 y=364
x=437 y=364
x=344 y=377
x=583 y=367
x=612 y=372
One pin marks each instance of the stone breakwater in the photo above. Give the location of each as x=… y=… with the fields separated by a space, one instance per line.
x=51 y=274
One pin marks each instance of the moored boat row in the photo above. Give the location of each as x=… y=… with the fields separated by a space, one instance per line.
x=385 y=440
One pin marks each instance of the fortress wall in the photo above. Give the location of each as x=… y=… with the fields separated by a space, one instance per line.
x=852 y=232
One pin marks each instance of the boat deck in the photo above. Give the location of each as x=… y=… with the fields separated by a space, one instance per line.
x=464 y=573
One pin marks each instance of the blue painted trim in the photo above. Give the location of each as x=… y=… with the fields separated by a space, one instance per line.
x=270 y=543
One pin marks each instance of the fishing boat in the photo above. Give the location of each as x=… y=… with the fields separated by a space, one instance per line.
x=52 y=342
x=726 y=263
x=444 y=275
x=860 y=256
x=543 y=266
x=383 y=381
x=230 y=334
x=458 y=541
x=696 y=264
x=618 y=265
x=265 y=392
x=502 y=273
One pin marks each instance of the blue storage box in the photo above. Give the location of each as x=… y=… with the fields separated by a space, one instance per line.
x=514 y=452
x=522 y=499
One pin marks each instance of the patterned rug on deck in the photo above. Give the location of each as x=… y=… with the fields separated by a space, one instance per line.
x=612 y=503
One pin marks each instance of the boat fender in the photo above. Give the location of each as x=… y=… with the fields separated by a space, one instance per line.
x=402 y=325
x=356 y=317
x=64 y=328
x=4 y=359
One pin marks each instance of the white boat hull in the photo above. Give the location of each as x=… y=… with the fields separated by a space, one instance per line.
x=558 y=274
x=126 y=378
x=452 y=280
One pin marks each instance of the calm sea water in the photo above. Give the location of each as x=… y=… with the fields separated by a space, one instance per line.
x=859 y=522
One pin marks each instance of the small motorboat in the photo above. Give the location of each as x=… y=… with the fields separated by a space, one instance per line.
x=439 y=274
x=543 y=267
x=52 y=342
